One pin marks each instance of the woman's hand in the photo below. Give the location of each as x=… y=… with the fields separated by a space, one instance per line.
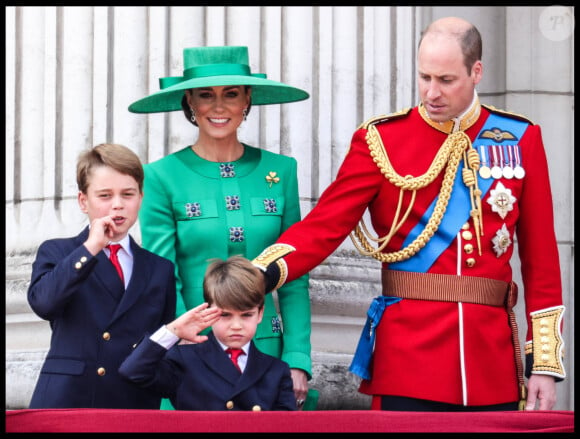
x=300 y=382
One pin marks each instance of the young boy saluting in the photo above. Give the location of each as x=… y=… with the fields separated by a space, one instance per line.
x=98 y=308
x=198 y=373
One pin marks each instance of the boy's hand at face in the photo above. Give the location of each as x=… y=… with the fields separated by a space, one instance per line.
x=188 y=325
x=102 y=230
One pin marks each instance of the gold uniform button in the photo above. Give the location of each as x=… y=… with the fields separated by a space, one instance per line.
x=465 y=226
x=84 y=259
x=256 y=408
x=230 y=405
x=468 y=248
x=467 y=235
x=470 y=262
x=78 y=265
x=101 y=371
x=106 y=336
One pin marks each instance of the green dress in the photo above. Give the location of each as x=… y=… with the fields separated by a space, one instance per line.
x=194 y=210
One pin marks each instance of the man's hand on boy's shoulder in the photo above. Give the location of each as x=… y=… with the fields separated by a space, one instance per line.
x=188 y=325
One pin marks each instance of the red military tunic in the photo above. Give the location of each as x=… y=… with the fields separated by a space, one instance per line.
x=458 y=353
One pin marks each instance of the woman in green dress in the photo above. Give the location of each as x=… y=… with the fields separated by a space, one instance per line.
x=220 y=197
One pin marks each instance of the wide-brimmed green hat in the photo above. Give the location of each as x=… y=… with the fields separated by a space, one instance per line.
x=214 y=66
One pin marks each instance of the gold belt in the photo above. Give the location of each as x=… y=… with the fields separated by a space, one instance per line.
x=444 y=287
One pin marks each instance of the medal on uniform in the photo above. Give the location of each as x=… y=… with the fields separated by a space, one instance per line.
x=501 y=200
x=518 y=170
x=501 y=241
x=508 y=170
x=496 y=171
x=484 y=171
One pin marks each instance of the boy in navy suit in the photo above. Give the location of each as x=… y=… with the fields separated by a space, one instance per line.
x=198 y=374
x=97 y=312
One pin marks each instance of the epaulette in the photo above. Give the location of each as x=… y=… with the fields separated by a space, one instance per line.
x=508 y=113
x=383 y=118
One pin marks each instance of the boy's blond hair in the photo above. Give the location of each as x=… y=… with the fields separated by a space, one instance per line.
x=234 y=283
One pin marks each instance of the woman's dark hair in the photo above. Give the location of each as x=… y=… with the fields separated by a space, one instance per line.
x=187 y=110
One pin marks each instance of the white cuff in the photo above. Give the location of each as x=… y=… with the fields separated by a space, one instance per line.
x=164 y=337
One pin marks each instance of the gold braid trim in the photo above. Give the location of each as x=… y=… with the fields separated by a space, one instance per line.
x=272 y=254
x=472 y=163
x=283 y=268
x=450 y=154
x=547 y=343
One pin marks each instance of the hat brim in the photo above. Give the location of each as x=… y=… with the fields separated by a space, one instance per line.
x=264 y=92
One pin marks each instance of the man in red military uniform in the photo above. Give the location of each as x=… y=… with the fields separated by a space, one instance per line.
x=449 y=185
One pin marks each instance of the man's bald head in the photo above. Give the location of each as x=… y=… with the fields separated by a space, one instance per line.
x=465 y=33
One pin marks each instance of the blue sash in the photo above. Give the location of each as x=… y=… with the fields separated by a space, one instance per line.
x=459 y=204
x=456 y=215
x=364 y=350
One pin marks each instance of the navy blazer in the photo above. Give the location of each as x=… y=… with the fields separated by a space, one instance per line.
x=202 y=377
x=95 y=323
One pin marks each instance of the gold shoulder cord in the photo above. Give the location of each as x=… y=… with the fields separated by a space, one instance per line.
x=456 y=146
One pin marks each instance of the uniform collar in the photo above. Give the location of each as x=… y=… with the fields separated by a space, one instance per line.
x=460 y=123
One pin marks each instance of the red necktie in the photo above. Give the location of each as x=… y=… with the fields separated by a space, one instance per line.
x=234 y=354
x=114 y=248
